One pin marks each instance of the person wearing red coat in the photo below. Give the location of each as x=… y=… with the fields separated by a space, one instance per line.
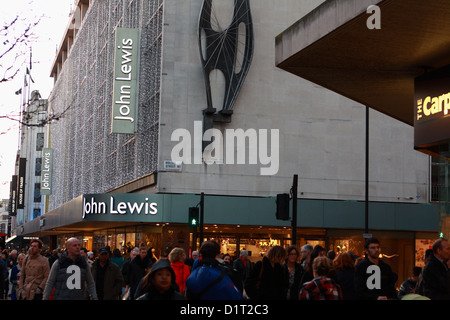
x=182 y=272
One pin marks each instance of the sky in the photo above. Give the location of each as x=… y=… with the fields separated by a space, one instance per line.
x=54 y=18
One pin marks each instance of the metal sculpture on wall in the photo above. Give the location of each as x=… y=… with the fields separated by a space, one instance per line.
x=226 y=49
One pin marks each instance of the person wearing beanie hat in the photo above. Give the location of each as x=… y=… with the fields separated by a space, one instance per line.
x=159 y=283
x=90 y=257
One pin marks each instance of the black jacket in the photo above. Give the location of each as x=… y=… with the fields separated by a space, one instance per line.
x=153 y=294
x=388 y=280
x=273 y=283
x=136 y=271
x=108 y=284
x=436 y=280
x=346 y=279
x=294 y=289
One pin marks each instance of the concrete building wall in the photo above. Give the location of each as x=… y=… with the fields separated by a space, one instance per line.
x=322 y=134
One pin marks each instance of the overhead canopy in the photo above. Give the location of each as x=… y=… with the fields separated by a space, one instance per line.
x=333 y=47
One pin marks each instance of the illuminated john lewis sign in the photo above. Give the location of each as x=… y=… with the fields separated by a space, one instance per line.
x=120 y=205
x=125 y=81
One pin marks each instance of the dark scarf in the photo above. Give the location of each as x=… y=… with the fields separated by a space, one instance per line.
x=65 y=261
x=154 y=294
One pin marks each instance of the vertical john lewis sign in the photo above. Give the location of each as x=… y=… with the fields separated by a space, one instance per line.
x=125 y=81
x=46 y=171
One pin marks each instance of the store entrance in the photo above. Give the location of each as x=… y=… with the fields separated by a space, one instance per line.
x=257 y=244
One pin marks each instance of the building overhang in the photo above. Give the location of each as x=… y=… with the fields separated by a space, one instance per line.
x=333 y=47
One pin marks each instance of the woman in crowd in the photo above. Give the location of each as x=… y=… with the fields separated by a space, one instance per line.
x=267 y=280
x=345 y=275
x=176 y=258
x=15 y=275
x=159 y=283
x=294 y=272
x=321 y=287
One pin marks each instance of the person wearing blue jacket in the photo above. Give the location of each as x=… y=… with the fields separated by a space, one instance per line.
x=211 y=280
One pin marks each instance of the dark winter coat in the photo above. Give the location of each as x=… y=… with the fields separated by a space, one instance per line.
x=272 y=285
x=436 y=280
x=388 y=280
x=242 y=269
x=346 y=279
x=407 y=287
x=136 y=271
x=151 y=293
x=294 y=289
x=59 y=275
x=112 y=281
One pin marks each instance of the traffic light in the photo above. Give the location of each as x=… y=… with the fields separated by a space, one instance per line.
x=282 y=206
x=194 y=216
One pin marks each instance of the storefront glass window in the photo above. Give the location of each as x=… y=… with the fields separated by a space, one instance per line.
x=99 y=240
x=130 y=240
x=422 y=245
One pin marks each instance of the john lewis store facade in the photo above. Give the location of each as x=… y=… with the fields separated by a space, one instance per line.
x=127 y=173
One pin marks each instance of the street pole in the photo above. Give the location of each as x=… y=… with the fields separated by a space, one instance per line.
x=294 y=209
x=366 y=229
x=202 y=208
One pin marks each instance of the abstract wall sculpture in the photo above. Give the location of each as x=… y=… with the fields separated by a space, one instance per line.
x=226 y=45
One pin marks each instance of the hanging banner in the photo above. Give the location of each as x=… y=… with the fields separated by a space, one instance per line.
x=46 y=171
x=21 y=183
x=125 y=81
x=13 y=197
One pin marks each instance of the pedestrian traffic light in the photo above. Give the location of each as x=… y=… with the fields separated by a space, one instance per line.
x=193 y=216
x=282 y=206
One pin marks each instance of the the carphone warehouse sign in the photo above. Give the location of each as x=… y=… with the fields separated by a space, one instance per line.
x=126 y=62
x=432 y=116
x=121 y=206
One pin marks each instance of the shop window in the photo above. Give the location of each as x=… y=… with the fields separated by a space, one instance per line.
x=422 y=245
x=37 y=167
x=37 y=192
x=36 y=212
x=39 y=141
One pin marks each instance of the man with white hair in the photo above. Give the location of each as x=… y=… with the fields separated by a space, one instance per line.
x=305 y=253
x=243 y=266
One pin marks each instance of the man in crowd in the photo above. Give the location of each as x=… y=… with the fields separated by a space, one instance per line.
x=436 y=274
x=381 y=285
x=137 y=270
x=243 y=267
x=107 y=276
x=305 y=253
x=211 y=280
x=34 y=274
x=70 y=276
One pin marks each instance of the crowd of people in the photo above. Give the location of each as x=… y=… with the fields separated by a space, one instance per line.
x=308 y=273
